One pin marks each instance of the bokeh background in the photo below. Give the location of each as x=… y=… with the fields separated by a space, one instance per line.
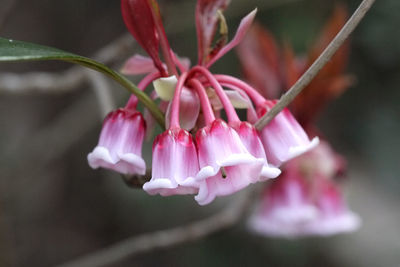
x=54 y=208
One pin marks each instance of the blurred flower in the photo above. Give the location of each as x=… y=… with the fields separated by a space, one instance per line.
x=305 y=199
x=285 y=207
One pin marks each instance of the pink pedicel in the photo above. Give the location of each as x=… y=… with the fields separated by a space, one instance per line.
x=226 y=166
x=283 y=138
x=175 y=164
x=120 y=143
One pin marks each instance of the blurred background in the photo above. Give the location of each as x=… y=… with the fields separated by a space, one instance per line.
x=54 y=208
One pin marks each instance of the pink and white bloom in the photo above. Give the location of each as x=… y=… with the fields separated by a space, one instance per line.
x=249 y=137
x=175 y=164
x=283 y=138
x=226 y=166
x=285 y=208
x=334 y=216
x=120 y=143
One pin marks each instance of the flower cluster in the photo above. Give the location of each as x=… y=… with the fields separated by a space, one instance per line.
x=200 y=152
x=306 y=199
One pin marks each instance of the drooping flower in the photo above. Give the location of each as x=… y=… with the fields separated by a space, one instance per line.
x=226 y=166
x=120 y=143
x=305 y=200
x=175 y=164
x=283 y=137
x=249 y=137
x=285 y=207
x=333 y=217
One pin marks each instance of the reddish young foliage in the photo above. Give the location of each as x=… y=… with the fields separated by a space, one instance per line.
x=206 y=25
x=141 y=18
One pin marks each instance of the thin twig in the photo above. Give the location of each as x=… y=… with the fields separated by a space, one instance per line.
x=321 y=61
x=166 y=238
x=102 y=91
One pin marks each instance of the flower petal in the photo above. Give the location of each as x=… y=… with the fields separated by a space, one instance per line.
x=165 y=87
x=244 y=26
x=138 y=64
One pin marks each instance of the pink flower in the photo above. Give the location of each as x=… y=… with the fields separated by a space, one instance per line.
x=249 y=137
x=283 y=138
x=285 y=208
x=334 y=217
x=120 y=143
x=226 y=166
x=304 y=200
x=175 y=164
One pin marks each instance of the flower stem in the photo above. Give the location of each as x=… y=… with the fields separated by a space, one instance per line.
x=176 y=101
x=230 y=110
x=204 y=101
x=236 y=83
x=144 y=98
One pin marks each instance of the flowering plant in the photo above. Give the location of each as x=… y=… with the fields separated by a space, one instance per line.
x=225 y=156
x=206 y=149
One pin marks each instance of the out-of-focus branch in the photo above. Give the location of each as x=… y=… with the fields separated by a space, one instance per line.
x=102 y=91
x=166 y=238
x=70 y=79
x=65 y=80
x=321 y=61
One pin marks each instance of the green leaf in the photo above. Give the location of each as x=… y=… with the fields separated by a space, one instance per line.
x=12 y=50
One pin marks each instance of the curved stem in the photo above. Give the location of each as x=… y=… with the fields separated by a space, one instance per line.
x=144 y=98
x=318 y=64
x=230 y=110
x=250 y=91
x=178 y=63
x=204 y=101
x=176 y=101
x=132 y=102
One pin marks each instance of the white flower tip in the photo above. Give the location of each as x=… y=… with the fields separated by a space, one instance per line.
x=298 y=150
x=345 y=223
x=269 y=172
x=99 y=157
x=165 y=87
x=165 y=187
x=126 y=163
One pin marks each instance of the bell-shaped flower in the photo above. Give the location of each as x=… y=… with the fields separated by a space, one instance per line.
x=249 y=137
x=334 y=216
x=285 y=207
x=120 y=143
x=175 y=164
x=283 y=138
x=226 y=166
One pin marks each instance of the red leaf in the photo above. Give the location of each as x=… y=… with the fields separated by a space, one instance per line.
x=139 y=17
x=206 y=24
x=330 y=82
x=259 y=55
x=339 y=61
